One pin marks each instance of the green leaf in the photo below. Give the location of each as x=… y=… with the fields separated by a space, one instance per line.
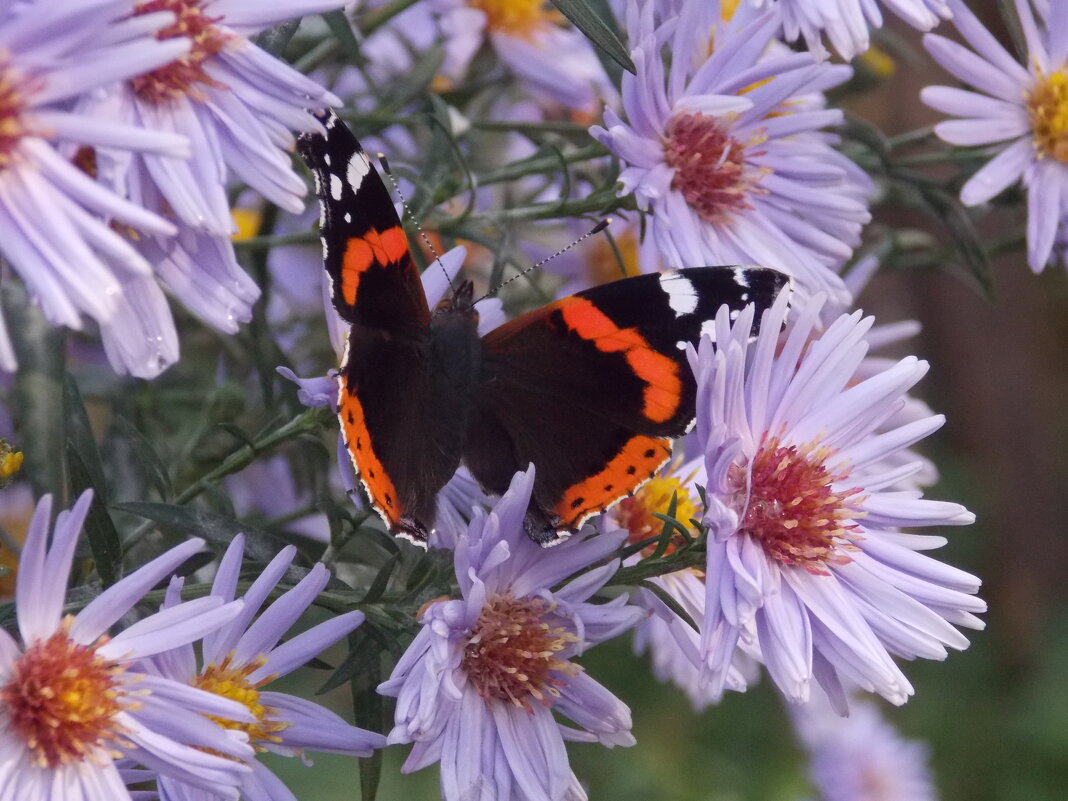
x=276 y=39
x=597 y=30
x=381 y=582
x=99 y=529
x=80 y=436
x=146 y=457
x=217 y=529
x=341 y=28
x=368 y=711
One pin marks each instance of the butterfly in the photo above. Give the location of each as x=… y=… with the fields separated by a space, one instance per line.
x=591 y=388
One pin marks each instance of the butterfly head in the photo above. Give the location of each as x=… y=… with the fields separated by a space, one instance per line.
x=459 y=302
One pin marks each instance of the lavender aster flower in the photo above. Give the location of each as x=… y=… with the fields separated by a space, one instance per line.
x=551 y=59
x=244 y=655
x=847 y=22
x=71 y=702
x=1022 y=109
x=478 y=687
x=238 y=106
x=805 y=553
x=53 y=217
x=861 y=757
x=727 y=150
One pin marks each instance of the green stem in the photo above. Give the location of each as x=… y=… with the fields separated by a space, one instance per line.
x=260 y=243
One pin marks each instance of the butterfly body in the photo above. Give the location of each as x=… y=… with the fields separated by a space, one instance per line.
x=590 y=389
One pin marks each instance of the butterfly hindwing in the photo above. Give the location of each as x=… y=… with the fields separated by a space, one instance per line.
x=592 y=387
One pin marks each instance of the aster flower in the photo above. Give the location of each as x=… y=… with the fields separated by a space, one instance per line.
x=805 y=555
x=847 y=23
x=727 y=150
x=551 y=59
x=673 y=644
x=244 y=655
x=71 y=702
x=478 y=687
x=1019 y=109
x=861 y=757
x=237 y=105
x=53 y=218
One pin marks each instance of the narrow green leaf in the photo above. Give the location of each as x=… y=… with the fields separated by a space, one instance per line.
x=80 y=436
x=597 y=30
x=99 y=529
x=381 y=582
x=342 y=29
x=217 y=529
x=275 y=40
x=368 y=711
x=146 y=457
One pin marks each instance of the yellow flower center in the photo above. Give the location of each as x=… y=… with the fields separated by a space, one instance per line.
x=62 y=699
x=231 y=681
x=794 y=511
x=511 y=652
x=1047 y=106
x=182 y=75
x=521 y=18
x=637 y=513
x=604 y=264
x=10 y=463
x=13 y=90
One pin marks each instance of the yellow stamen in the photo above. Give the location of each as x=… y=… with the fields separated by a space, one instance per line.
x=1047 y=106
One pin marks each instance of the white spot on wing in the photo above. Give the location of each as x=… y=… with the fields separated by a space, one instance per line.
x=682 y=297
x=326 y=159
x=708 y=328
x=348 y=217
x=740 y=276
x=335 y=187
x=359 y=166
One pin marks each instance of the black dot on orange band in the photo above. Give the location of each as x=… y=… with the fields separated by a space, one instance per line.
x=389 y=500
x=575 y=504
x=608 y=487
x=632 y=470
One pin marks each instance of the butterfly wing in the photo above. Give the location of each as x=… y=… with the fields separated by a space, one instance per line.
x=384 y=395
x=592 y=388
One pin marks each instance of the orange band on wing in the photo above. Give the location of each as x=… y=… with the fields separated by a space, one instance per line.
x=372 y=474
x=637 y=462
x=663 y=390
x=361 y=253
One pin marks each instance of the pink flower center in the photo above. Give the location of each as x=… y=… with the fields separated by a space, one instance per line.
x=511 y=653
x=62 y=700
x=794 y=511
x=182 y=76
x=709 y=164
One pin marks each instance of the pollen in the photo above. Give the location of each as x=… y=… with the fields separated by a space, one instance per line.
x=233 y=682
x=512 y=652
x=13 y=90
x=519 y=18
x=183 y=76
x=709 y=163
x=637 y=513
x=10 y=463
x=796 y=511
x=1047 y=106
x=62 y=699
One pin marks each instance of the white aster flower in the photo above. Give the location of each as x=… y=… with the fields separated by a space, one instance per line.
x=1019 y=109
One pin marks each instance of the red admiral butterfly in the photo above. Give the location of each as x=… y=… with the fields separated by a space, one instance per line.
x=591 y=388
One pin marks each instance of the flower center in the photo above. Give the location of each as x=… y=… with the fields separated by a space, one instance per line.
x=794 y=511
x=233 y=682
x=709 y=165
x=637 y=513
x=511 y=653
x=12 y=102
x=521 y=18
x=1047 y=105
x=604 y=264
x=182 y=75
x=62 y=699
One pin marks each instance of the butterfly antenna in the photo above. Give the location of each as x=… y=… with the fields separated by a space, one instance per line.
x=607 y=221
x=411 y=216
